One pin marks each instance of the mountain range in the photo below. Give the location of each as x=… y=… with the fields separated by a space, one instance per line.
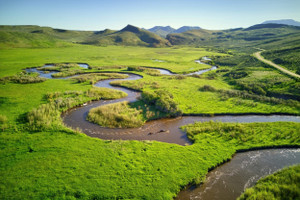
x=264 y=35
x=163 y=31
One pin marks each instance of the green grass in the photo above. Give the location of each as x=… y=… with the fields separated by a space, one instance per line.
x=283 y=184
x=191 y=100
x=176 y=59
x=60 y=165
x=286 y=57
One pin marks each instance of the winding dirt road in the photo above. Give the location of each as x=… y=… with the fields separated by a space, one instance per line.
x=259 y=57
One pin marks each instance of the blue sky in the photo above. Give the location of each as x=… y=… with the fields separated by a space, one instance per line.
x=116 y=14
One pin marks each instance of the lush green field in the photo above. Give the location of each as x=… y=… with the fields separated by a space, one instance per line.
x=64 y=165
x=54 y=162
x=191 y=99
x=175 y=59
x=283 y=184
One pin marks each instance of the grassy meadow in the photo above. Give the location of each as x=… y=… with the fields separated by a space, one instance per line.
x=55 y=162
x=176 y=59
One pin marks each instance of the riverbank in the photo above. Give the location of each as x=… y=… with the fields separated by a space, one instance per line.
x=281 y=185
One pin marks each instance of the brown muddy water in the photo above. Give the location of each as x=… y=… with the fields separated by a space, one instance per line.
x=228 y=181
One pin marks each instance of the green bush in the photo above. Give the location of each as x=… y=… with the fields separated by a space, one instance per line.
x=47 y=116
x=95 y=77
x=23 y=78
x=117 y=115
x=163 y=101
x=3 y=122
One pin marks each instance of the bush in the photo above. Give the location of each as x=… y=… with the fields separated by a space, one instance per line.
x=3 y=122
x=163 y=101
x=117 y=115
x=236 y=74
x=47 y=116
x=149 y=71
x=95 y=77
x=23 y=78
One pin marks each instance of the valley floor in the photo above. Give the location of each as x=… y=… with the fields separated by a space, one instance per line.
x=40 y=158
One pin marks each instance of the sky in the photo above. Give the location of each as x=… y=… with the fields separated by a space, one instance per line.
x=116 y=14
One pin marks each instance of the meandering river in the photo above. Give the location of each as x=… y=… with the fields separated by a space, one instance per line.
x=225 y=182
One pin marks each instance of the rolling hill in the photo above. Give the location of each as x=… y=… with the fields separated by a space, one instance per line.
x=268 y=36
x=130 y=35
x=36 y=36
x=163 y=31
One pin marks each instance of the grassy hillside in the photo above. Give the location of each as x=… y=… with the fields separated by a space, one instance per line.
x=267 y=36
x=130 y=35
x=36 y=36
x=287 y=57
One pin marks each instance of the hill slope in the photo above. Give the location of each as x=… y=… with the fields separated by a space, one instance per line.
x=36 y=36
x=268 y=36
x=163 y=31
x=130 y=35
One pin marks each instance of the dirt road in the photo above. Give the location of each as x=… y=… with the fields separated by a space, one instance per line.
x=259 y=57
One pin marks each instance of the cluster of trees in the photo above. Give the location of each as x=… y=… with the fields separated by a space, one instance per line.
x=163 y=101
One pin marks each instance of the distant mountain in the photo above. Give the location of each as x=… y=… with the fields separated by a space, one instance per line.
x=162 y=31
x=283 y=21
x=265 y=36
x=186 y=28
x=36 y=36
x=130 y=35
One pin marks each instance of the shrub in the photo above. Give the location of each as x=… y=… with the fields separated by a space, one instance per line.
x=3 y=122
x=117 y=115
x=47 y=116
x=23 y=78
x=163 y=101
x=95 y=77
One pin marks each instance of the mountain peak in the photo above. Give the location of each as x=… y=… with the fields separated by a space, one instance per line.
x=131 y=28
x=186 y=28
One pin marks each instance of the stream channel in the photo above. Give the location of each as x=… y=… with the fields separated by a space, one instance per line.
x=225 y=182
